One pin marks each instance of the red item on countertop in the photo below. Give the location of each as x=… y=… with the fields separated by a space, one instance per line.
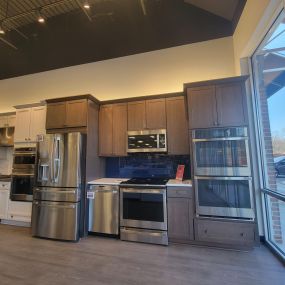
x=180 y=172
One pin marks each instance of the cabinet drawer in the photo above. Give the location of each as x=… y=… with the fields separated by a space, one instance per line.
x=225 y=232
x=179 y=192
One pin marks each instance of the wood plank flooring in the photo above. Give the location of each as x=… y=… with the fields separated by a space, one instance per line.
x=96 y=260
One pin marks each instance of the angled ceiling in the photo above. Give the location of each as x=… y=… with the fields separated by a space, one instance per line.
x=72 y=35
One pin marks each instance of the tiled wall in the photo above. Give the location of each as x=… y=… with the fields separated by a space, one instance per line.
x=147 y=165
x=6 y=160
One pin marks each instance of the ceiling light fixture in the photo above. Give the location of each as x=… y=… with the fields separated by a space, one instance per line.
x=2 y=31
x=41 y=19
x=86 y=5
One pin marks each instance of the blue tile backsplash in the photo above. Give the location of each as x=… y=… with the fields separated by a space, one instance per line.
x=147 y=165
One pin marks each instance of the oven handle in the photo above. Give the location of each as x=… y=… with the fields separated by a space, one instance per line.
x=222 y=178
x=222 y=139
x=23 y=174
x=24 y=154
x=152 y=191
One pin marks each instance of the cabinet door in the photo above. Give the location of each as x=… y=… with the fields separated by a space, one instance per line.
x=106 y=130
x=180 y=219
x=56 y=113
x=231 y=104
x=19 y=211
x=202 y=108
x=3 y=121
x=22 y=128
x=76 y=113
x=38 y=120
x=136 y=116
x=120 y=129
x=11 y=120
x=4 y=198
x=155 y=114
x=177 y=126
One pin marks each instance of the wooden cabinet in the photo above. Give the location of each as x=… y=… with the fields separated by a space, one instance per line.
x=225 y=232
x=217 y=105
x=155 y=114
x=113 y=130
x=67 y=114
x=106 y=130
x=147 y=114
x=55 y=117
x=180 y=214
x=7 y=121
x=30 y=122
x=136 y=116
x=177 y=126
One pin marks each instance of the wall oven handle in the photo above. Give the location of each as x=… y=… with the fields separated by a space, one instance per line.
x=237 y=178
x=23 y=174
x=221 y=139
x=136 y=190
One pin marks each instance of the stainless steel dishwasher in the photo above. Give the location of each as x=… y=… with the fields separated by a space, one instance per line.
x=103 y=209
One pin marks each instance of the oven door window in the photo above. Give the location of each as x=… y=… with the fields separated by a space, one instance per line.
x=25 y=159
x=224 y=193
x=215 y=154
x=23 y=185
x=143 y=207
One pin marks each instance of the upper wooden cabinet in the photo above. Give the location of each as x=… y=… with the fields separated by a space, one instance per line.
x=30 y=122
x=7 y=121
x=67 y=114
x=222 y=104
x=113 y=130
x=177 y=126
x=147 y=114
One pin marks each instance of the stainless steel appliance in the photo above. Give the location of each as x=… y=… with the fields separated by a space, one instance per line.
x=143 y=210
x=221 y=151
x=103 y=209
x=57 y=211
x=23 y=173
x=7 y=136
x=147 y=141
x=226 y=197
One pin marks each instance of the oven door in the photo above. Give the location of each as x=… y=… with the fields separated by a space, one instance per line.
x=24 y=160
x=224 y=197
x=221 y=157
x=22 y=187
x=143 y=208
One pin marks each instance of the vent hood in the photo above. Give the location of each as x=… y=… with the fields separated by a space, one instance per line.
x=7 y=136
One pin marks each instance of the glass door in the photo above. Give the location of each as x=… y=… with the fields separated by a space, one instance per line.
x=268 y=64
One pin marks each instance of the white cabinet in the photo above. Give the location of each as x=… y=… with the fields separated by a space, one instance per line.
x=4 y=199
x=30 y=122
x=7 y=121
x=19 y=211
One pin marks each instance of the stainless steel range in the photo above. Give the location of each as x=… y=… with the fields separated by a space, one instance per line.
x=143 y=210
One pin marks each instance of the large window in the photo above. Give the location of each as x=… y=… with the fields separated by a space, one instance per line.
x=269 y=76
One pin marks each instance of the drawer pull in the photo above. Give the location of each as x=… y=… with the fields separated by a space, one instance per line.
x=242 y=234
x=205 y=231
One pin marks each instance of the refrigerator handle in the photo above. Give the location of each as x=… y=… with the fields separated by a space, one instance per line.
x=56 y=160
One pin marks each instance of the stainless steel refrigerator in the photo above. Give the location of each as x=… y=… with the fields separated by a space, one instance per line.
x=58 y=196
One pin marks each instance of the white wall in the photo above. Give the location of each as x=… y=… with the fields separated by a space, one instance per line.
x=149 y=73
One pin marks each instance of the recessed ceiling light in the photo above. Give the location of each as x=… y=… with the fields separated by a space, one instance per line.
x=86 y=5
x=41 y=19
x=2 y=31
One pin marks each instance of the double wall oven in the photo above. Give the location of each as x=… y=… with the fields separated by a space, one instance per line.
x=143 y=212
x=222 y=173
x=23 y=173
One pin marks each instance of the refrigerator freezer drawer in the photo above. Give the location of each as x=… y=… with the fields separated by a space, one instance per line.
x=57 y=194
x=56 y=220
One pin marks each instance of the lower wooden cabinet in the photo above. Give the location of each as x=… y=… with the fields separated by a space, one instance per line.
x=224 y=232
x=180 y=214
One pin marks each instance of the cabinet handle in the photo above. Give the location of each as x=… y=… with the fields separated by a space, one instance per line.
x=205 y=231
x=242 y=234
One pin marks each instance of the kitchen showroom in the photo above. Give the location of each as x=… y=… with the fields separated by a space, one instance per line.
x=152 y=155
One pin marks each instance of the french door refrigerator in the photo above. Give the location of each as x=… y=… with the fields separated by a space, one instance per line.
x=58 y=196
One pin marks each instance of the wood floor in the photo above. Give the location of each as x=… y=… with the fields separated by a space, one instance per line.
x=26 y=260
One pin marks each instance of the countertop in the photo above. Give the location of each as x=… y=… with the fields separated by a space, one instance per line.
x=108 y=181
x=183 y=183
x=117 y=181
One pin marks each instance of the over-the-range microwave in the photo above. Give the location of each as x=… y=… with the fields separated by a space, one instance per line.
x=147 y=141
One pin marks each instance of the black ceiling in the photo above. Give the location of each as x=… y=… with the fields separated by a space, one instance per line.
x=118 y=28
